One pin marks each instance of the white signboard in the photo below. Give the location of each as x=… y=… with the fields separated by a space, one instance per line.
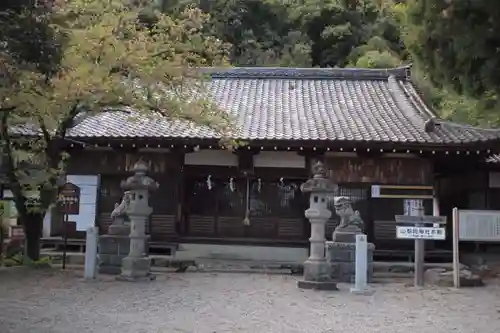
x=375 y=191
x=429 y=233
x=479 y=225
x=413 y=207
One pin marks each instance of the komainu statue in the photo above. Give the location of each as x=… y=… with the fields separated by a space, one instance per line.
x=350 y=220
x=119 y=215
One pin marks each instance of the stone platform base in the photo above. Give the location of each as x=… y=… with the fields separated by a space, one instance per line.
x=112 y=250
x=363 y=291
x=317 y=285
x=341 y=258
x=136 y=268
x=444 y=278
x=109 y=270
x=147 y=278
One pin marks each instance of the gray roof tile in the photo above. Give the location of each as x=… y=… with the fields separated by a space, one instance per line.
x=302 y=104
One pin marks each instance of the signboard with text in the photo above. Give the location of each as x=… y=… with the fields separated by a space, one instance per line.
x=419 y=227
x=479 y=225
x=412 y=207
x=69 y=199
x=429 y=233
x=17 y=232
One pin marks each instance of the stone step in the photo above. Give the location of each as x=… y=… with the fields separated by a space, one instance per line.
x=210 y=264
x=245 y=266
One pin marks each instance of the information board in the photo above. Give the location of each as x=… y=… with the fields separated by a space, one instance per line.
x=429 y=233
x=479 y=225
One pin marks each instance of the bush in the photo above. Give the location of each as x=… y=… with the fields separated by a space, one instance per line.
x=14 y=247
x=20 y=260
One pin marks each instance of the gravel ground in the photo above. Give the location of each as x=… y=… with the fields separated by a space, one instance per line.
x=56 y=302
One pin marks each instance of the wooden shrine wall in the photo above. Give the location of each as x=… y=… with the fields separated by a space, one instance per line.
x=120 y=162
x=390 y=170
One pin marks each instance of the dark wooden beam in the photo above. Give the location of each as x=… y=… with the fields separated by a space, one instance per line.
x=297 y=145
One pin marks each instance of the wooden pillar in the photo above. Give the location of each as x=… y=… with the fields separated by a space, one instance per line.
x=435 y=199
x=180 y=220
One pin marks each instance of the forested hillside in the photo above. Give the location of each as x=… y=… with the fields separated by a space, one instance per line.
x=453 y=45
x=324 y=33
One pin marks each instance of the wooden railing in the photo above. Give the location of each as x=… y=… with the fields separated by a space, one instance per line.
x=384 y=230
x=260 y=227
x=163 y=227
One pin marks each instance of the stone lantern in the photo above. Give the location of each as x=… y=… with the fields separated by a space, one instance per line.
x=136 y=265
x=316 y=269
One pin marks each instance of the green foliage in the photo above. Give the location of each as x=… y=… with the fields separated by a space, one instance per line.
x=376 y=53
x=22 y=260
x=300 y=34
x=455 y=43
x=334 y=28
x=260 y=32
x=377 y=59
x=111 y=57
x=13 y=248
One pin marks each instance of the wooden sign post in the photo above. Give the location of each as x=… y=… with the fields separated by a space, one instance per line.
x=69 y=200
x=418 y=228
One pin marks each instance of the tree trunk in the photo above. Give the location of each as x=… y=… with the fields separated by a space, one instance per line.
x=33 y=224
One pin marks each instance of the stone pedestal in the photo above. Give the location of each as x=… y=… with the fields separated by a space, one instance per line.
x=112 y=250
x=113 y=247
x=316 y=270
x=137 y=264
x=346 y=234
x=119 y=230
x=341 y=259
x=136 y=269
x=317 y=276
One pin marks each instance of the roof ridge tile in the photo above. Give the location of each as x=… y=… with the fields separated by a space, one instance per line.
x=306 y=73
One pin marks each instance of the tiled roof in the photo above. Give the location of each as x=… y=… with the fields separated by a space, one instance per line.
x=302 y=104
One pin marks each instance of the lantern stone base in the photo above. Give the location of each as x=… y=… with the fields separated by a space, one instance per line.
x=112 y=250
x=341 y=259
x=136 y=269
x=316 y=276
x=316 y=285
